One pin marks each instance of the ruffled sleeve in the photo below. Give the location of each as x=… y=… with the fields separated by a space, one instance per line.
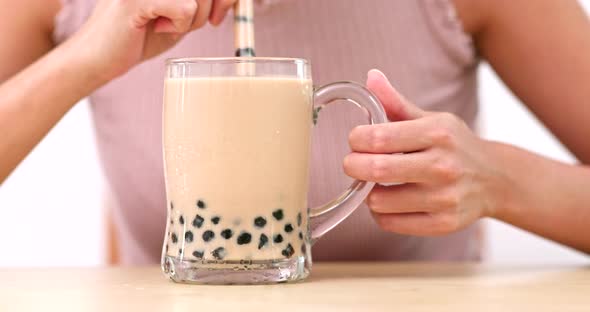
x=447 y=27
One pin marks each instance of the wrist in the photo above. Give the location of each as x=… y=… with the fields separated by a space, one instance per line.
x=503 y=181
x=78 y=54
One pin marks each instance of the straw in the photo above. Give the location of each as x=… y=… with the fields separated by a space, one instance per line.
x=244 y=28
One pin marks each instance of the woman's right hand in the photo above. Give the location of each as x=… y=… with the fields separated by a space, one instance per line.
x=122 y=33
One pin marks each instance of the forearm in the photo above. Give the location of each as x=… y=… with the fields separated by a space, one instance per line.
x=35 y=99
x=543 y=196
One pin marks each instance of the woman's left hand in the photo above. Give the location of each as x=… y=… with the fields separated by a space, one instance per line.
x=449 y=181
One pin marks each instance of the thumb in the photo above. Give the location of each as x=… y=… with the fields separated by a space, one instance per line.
x=396 y=106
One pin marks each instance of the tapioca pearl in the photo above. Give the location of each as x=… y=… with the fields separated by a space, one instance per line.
x=262 y=241
x=227 y=233
x=171 y=205
x=188 y=236
x=259 y=222
x=288 y=228
x=278 y=238
x=166 y=247
x=174 y=238
x=215 y=220
x=300 y=236
x=181 y=220
x=244 y=238
x=208 y=235
x=180 y=252
x=278 y=214
x=288 y=251
x=198 y=254
x=299 y=219
x=303 y=249
x=219 y=253
x=201 y=204
x=198 y=221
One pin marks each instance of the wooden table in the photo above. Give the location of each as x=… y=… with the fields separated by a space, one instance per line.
x=332 y=287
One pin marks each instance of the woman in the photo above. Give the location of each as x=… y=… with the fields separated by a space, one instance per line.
x=114 y=52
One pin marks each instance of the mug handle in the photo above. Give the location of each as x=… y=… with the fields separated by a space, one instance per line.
x=327 y=216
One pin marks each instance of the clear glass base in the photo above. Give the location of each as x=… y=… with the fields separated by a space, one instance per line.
x=236 y=272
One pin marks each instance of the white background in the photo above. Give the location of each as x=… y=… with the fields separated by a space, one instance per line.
x=50 y=208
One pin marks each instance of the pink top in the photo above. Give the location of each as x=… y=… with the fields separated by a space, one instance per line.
x=418 y=44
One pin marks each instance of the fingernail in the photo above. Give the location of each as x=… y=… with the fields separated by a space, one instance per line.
x=376 y=71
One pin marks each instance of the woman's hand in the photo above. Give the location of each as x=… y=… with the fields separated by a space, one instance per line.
x=448 y=179
x=122 y=33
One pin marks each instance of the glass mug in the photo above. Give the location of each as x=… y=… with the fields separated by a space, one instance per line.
x=236 y=138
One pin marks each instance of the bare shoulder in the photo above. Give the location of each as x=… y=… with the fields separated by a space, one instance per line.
x=31 y=24
x=478 y=16
x=31 y=14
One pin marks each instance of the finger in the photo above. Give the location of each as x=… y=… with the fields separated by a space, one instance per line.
x=395 y=105
x=388 y=168
x=164 y=25
x=407 y=198
x=203 y=12
x=171 y=17
x=418 y=224
x=219 y=11
x=392 y=137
